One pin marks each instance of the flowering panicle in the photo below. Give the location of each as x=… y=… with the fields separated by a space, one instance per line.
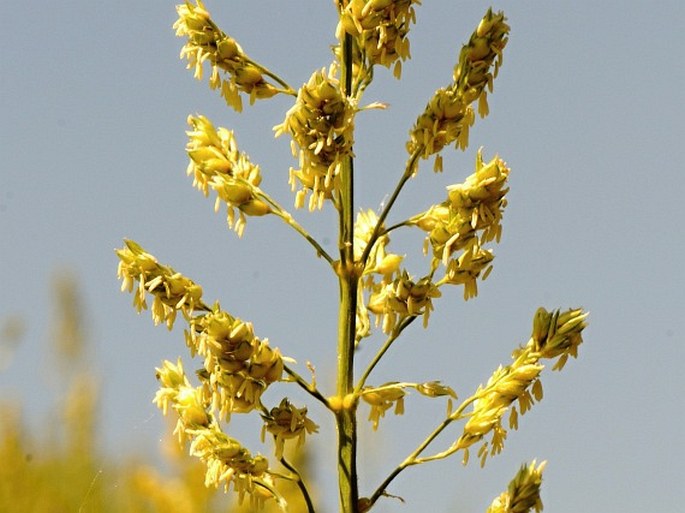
x=206 y=42
x=285 y=422
x=470 y=217
x=519 y=382
x=449 y=115
x=239 y=366
x=171 y=290
x=321 y=124
x=380 y=28
x=216 y=163
x=227 y=461
x=523 y=493
x=402 y=298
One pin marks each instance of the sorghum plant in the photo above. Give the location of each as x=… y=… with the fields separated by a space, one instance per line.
x=238 y=366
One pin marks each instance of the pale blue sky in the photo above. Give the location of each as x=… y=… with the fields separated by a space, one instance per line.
x=588 y=112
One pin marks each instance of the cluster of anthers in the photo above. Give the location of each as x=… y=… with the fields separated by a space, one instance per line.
x=321 y=124
x=470 y=217
x=216 y=164
x=381 y=270
x=389 y=395
x=555 y=335
x=237 y=368
x=402 y=298
x=206 y=42
x=449 y=115
x=171 y=290
x=227 y=461
x=380 y=28
x=286 y=422
x=523 y=493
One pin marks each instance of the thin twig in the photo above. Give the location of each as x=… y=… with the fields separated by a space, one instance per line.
x=384 y=348
x=413 y=458
x=313 y=391
x=300 y=484
x=408 y=172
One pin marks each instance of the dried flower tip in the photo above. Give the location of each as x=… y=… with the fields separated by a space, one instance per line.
x=435 y=389
x=523 y=493
x=556 y=334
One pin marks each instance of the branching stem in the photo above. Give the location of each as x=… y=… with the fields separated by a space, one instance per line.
x=311 y=390
x=381 y=352
x=413 y=458
x=281 y=212
x=408 y=172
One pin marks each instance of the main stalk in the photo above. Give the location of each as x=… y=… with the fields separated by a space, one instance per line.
x=349 y=279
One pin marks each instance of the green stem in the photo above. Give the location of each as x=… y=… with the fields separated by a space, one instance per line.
x=266 y=71
x=300 y=484
x=408 y=172
x=348 y=275
x=381 y=352
x=279 y=211
x=413 y=458
x=312 y=390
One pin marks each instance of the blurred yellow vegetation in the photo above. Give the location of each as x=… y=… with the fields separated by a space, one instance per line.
x=58 y=467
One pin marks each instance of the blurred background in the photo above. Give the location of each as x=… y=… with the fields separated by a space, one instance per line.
x=587 y=110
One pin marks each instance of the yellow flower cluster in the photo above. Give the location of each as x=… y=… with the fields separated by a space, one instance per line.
x=403 y=298
x=449 y=115
x=508 y=384
x=523 y=493
x=239 y=366
x=285 y=422
x=519 y=382
x=470 y=217
x=321 y=124
x=380 y=263
x=227 y=461
x=384 y=397
x=206 y=42
x=216 y=163
x=171 y=290
x=381 y=28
